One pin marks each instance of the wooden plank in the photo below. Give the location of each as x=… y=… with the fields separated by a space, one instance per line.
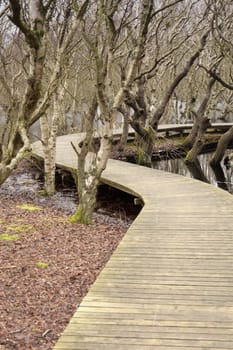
x=174 y=299
x=124 y=340
x=92 y=346
x=169 y=284
x=142 y=333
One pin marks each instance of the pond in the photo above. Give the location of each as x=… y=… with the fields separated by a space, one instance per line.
x=178 y=166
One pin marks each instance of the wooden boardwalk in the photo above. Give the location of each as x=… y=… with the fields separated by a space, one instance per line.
x=169 y=284
x=181 y=128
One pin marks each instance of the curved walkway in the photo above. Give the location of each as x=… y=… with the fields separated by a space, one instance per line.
x=169 y=284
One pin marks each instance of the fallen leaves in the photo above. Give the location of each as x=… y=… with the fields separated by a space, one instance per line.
x=46 y=272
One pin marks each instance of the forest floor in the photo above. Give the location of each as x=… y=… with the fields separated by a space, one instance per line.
x=47 y=264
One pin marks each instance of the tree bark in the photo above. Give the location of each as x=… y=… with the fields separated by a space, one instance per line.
x=220 y=176
x=222 y=145
x=125 y=130
x=49 y=133
x=87 y=201
x=196 y=170
x=204 y=123
x=197 y=136
x=201 y=123
x=86 y=177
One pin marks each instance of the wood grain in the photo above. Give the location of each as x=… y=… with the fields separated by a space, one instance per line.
x=169 y=284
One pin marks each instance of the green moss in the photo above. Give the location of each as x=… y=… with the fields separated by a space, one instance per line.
x=80 y=217
x=42 y=193
x=188 y=156
x=27 y=154
x=42 y=264
x=140 y=155
x=28 y=207
x=74 y=218
x=7 y=237
x=19 y=228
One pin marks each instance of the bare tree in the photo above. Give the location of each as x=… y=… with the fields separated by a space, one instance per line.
x=196 y=138
x=15 y=142
x=222 y=30
x=147 y=116
x=112 y=24
x=30 y=88
x=51 y=120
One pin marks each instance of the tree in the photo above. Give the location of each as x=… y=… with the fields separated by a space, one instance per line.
x=51 y=120
x=33 y=33
x=111 y=20
x=196 y=138
x=222 y=31
x=22 y=110
x=147 y=115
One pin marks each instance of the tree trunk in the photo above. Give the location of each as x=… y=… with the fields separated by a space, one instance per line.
x=61 y=111
x=48 y=166
x=190 y=139
x=196 y=138
x=4 y=173
x=191 y=160
x=196 y=170
x=201 y=123
x=16 y=147
x=125 y=131
x=220 y=176
x=49 y=133
x=90 y=167
x=145 y=148
x=87 y=177
x=87 y=203
x=222 y=145
x=145 y=136
x=74 y=110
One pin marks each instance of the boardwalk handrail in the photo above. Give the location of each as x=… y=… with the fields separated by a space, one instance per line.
x=169 y=284
x=179 y=128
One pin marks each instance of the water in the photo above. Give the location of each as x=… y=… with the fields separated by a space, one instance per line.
x=178 y=166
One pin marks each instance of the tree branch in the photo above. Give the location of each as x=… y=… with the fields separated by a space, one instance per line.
x=30 y=36
x=214 y=75
x=159 y=112
x=155 y=13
